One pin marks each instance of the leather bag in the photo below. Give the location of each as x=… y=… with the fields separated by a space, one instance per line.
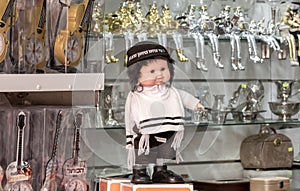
x=270 y=184
x=266 y=150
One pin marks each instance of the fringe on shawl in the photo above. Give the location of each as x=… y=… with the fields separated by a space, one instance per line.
x=144 y=145
x=176 y=145
x=130 y=157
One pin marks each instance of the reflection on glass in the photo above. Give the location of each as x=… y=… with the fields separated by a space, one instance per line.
x=247 y=5
x=218 y=5
x=274 y=5
x=297 y=157
x=225 y=2
x=177 y=7
x=205 y=2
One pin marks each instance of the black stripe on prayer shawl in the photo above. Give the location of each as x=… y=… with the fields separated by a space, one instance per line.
x=159 y=118
x=157 y=124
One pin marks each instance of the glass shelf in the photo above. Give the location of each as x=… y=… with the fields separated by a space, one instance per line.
x=285 y=123
x=280 y=123
x=186 y=38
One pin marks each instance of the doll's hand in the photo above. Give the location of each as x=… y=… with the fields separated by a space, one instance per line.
x=199 y=106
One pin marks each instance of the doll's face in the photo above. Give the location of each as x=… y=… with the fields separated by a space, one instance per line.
x=155 y=72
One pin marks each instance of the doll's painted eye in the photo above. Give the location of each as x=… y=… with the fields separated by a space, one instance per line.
x=152 y=71
x=163 y=69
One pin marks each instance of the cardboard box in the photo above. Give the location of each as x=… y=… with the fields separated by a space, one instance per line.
x=156 y=187
x=111 y=184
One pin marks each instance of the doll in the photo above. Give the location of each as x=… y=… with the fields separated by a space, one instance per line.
x=154 y=113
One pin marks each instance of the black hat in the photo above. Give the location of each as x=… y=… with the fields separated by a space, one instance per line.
x=146 y=50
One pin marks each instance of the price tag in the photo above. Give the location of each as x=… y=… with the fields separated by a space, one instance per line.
x=285 y=85
x=18 y=178
x=244 y=86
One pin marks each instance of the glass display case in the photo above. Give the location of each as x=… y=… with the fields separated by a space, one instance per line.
x=69 y=57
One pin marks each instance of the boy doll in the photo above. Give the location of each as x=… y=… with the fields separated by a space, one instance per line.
x=154 y=113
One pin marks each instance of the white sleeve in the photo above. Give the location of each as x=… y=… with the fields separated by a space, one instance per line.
x=129 y=119
x=189 y=101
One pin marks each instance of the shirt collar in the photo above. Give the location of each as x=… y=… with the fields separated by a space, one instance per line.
x=155 y=90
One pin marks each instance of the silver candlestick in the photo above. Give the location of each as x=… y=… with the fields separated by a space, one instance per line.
x=108 y=101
